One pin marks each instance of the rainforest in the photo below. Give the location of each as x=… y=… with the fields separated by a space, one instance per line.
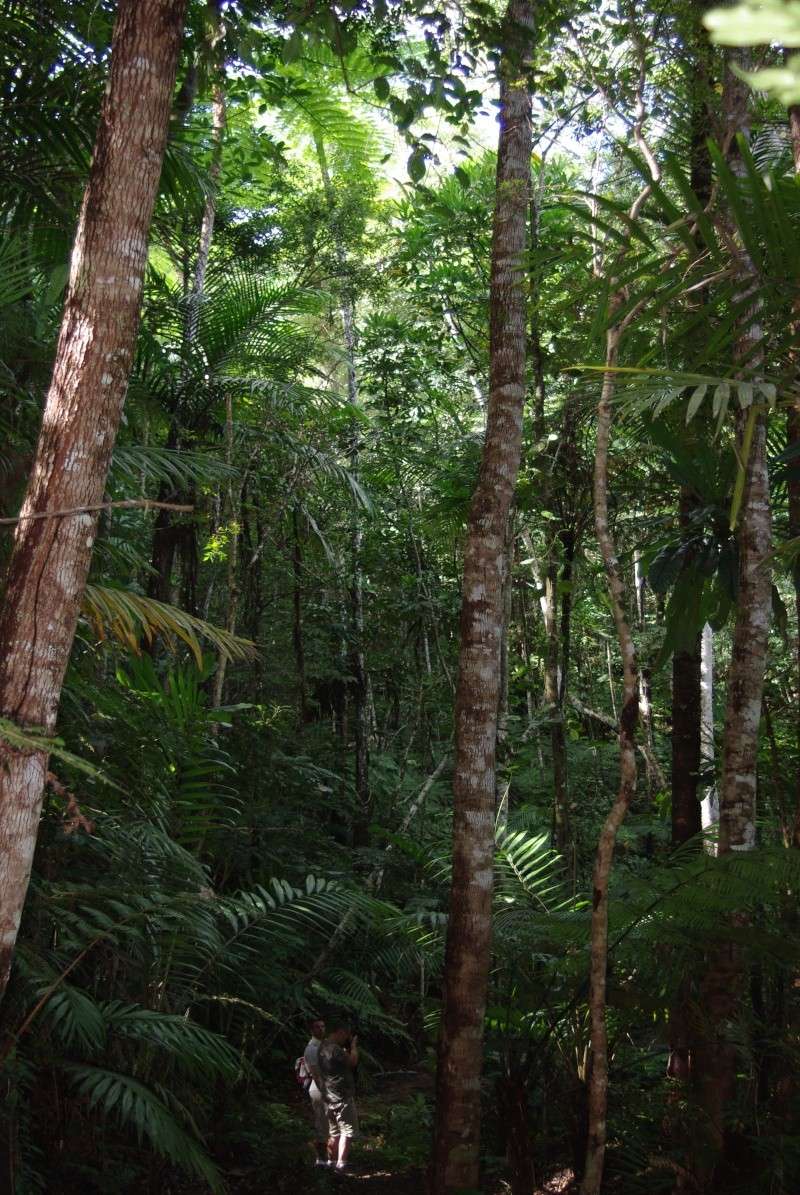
x=399 y=597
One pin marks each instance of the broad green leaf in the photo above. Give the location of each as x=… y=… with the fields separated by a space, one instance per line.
x=416 y=165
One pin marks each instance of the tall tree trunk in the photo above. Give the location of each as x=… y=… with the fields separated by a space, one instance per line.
x=723 y=984
x=598 y=1075
x=629 y=711
x=553 y=697
x=793 y=439
x=51 y=556
x=357 y=661
x=502 y=788
x=687 y=696
x=167 y=537
x=556 y=648
x=455 y=1164
x=537 y=353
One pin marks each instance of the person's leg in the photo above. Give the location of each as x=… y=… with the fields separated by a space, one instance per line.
x=333 y=1148
x=321 y=1127
x=348 y=1124
x=344 y=1148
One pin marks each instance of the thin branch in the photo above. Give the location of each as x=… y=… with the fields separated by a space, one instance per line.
x=124 y=504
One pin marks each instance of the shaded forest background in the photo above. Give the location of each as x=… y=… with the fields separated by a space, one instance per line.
x=248 y=815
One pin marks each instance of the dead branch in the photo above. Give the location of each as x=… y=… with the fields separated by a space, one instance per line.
x=594 y=717
x=74 y=818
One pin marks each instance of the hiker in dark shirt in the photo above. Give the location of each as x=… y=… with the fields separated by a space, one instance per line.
x=338 y=1058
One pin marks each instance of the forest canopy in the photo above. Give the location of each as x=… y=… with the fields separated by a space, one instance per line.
x=400 y=595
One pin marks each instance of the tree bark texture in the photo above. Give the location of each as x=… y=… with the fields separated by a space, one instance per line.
x=793 y=439
x=455 y=1163
x=629 y=713
x=597 y=1101
x=723 y=984
x=51 y=556
x=737 y=797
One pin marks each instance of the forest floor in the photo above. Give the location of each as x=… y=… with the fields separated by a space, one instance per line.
x=395 y=1118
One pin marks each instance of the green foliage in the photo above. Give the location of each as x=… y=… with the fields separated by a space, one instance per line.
x=222 y=879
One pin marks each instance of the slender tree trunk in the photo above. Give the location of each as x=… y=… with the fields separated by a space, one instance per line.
x=709 y=806
x=638 y=587
x=686 y=665
x=737 y=798
x=555 y=641
x=297 y=628
x=537 y=354
x=455 y=1164
x=793 y=439
x=218 y=122
x=723 y=984
x=167 y=536
x=232 y=586
x=358 y=667
x=552 y=695
x=686 y=723
x=501 y=788
x=598 y=1075
x=567 y=580
x=50 y=559
x=629 y=711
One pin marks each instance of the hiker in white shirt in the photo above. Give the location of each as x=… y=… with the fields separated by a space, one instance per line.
x=318 y=1107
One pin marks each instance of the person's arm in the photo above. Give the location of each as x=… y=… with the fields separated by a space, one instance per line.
x=351 y=1055
x=312 y=1063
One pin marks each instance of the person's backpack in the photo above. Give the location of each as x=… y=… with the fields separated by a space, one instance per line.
x=302 y=1074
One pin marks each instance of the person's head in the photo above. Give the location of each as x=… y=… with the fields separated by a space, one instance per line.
x=317 y=1028
x=341 y=1033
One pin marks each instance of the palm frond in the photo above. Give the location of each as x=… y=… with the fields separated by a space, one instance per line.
x=196 y=1050
x=128 y=617
x=146 y=464
x=140 y=1109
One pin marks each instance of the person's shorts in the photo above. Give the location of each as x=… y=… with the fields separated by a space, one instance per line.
x=342 y=1118
x=320 y=1113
